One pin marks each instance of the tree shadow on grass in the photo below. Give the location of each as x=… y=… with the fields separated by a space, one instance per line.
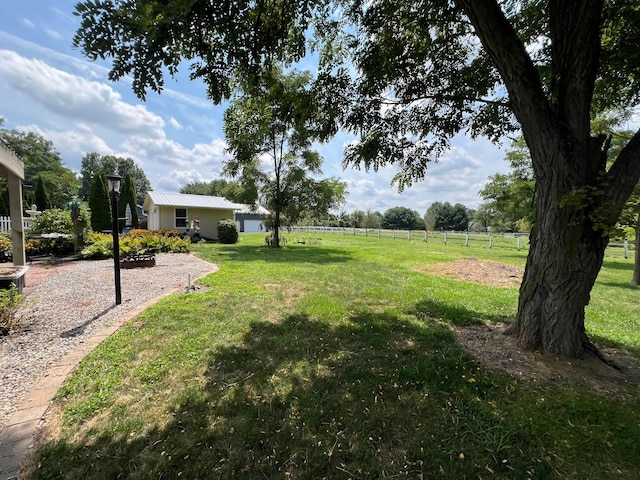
x=618 y=265
x=378 y=395
x=623 y=285
x=363 y=399
x=603 y=341
x=454 y=314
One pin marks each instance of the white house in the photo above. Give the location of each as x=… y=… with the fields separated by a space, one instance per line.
x=180 y=211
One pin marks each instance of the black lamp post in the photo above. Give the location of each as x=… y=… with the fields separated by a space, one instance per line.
x=114 y=180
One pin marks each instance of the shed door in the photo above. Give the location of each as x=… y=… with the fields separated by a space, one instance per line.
x=253 y=226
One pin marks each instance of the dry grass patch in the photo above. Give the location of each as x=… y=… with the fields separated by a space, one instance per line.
x=287 y=296
x=477 y=271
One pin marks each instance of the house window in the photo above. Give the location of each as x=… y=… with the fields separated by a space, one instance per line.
x=181 y=218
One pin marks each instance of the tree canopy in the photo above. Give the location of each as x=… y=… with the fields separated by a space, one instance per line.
x=231 y=190
x=42 y=162
x=444 y=216
x=128 y=197
x=41 y=197
x=100 y=204
x=407 y=78
x=402 y=218
x=510 y=197
x=94 y=163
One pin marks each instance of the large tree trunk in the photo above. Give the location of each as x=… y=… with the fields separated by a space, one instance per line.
x=567 y=245
x=577 y=200
x=576 y=206
x=564 y=259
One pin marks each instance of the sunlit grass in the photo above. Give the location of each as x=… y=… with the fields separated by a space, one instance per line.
x=337 y=360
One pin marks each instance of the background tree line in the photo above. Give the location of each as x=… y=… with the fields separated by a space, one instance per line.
x=49 y=184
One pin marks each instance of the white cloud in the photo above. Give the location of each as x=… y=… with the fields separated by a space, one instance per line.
x=74 y=97
x=81 y=140
x=55 y=58
x=53 y=34
x=72 y=144
x=175 y=179
x=158 y=153
x=175 y=123
x=64 y=15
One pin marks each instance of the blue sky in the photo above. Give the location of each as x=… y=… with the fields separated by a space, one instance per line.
x=47 y=86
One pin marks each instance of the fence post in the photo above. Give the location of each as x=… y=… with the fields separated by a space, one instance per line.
x=378 y=233
x=394 y=234
x=445 y=238
x=425 y=236
x=466 y=240
x=490 y=241
x=409 y=235
x=518 y=242
x=626 y=248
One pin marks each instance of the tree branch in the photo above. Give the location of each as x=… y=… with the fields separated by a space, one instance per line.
x=575 y=46
x=445 y=97
x=520 y=77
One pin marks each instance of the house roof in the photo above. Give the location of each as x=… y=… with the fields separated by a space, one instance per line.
x=252 y=209
x=188 y=200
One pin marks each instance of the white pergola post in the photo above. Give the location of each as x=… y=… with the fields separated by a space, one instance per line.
x=14 y=185
x=12 y=168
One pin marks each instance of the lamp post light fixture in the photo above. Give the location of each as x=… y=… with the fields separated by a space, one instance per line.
x=113 y=182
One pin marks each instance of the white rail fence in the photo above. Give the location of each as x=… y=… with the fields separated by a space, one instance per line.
x=616 y=248
x=518 y=241
x=5 y=224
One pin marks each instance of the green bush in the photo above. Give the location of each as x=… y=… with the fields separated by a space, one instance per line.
x=98 y=245
x=169 y=232
x=158 y=241
x=137 y=243
x=51 y=222
x=227 y=231
x=9 y=302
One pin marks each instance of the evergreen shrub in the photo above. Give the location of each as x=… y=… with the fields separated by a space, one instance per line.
x=227 y=231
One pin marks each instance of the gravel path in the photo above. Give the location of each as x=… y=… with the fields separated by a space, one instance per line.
x=73 y=303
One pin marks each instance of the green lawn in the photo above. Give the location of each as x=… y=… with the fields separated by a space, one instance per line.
x=337 y=360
